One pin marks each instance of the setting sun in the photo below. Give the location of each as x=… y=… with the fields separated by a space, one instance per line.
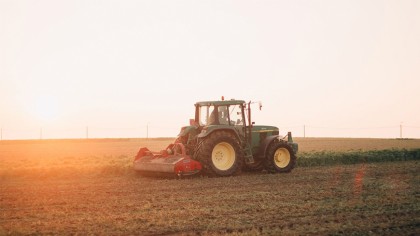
x=45 y=108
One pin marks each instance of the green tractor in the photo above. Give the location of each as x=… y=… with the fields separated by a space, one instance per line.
x=221 y=141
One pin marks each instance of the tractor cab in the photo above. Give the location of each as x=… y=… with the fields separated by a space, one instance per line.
x=229 y=113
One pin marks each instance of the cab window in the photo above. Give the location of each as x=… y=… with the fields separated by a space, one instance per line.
x=236 y=117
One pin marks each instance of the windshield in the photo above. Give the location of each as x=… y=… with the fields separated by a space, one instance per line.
x=236 y=117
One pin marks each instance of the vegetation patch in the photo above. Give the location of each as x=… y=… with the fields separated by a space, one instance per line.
x=327 y=158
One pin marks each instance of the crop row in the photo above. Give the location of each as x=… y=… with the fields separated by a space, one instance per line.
x=327 y=158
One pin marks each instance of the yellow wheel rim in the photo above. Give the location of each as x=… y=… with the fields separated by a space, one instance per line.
x=223 y=156
x=282 y=157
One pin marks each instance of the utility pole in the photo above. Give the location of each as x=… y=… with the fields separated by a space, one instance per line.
x=87 y=132
x=147 y=131
x=401 y=130
x=304 y=131
x=40 y=134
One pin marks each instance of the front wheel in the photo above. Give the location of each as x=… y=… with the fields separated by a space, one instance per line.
x=280 y=158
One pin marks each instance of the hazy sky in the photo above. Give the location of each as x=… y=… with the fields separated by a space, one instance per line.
x=342 y=68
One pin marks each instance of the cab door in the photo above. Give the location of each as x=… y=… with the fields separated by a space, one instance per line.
x=237 y=119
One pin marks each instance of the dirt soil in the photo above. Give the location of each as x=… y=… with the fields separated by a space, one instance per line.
x=378 y=199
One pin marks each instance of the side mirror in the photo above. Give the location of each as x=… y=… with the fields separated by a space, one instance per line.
x=260 y=104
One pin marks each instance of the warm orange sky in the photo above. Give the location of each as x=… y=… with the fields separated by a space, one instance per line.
x=342 y=68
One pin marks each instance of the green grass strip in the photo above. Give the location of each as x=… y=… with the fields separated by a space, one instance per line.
x=327 y=158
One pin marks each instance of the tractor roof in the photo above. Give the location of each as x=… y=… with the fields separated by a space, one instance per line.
x=220 y=103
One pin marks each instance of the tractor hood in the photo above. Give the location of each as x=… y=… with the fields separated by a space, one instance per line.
x=264 y=129
x=260 y=133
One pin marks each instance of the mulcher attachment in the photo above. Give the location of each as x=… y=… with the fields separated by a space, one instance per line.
x=172 y=160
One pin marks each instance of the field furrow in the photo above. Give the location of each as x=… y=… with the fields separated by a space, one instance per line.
x=60 y=187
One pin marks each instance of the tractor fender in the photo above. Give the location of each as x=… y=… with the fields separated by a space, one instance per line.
x=209 y=130
x=266 y=143
x=186 y=130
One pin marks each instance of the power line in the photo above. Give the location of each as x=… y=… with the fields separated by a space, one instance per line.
x=87 y=132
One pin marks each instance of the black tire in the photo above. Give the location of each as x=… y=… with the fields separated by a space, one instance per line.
x=227 y=159
x=280 y=158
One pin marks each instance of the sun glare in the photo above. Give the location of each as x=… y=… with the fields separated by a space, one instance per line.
x=46 y=108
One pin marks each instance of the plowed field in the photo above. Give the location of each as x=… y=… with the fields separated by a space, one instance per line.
x=76 y=193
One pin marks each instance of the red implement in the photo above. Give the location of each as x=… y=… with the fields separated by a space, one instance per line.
x=171 y=160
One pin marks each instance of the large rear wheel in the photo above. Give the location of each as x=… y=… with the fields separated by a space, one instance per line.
x=220 y=154
x=280 y=158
